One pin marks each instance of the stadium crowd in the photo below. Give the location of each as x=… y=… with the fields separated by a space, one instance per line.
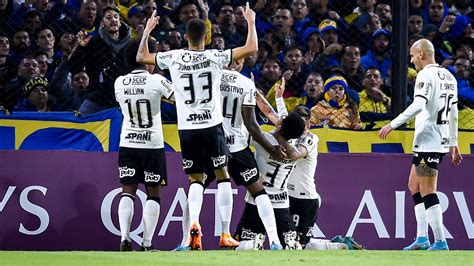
x=335 y=56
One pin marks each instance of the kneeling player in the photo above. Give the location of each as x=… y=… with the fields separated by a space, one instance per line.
x=142 y=154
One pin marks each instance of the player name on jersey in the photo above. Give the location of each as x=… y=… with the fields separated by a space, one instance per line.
x=198 y=66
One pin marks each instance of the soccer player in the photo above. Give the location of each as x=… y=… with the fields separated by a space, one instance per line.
x=196 y=75
x=436 y=125
x=141 y=154
x=275 y=175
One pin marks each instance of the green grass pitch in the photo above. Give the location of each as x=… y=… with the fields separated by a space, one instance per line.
x=230 y=258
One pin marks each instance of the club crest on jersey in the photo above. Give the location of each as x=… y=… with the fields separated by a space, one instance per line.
x=151 y=177
x=187 y=164
x=127 y=81
x=186 y=57
x=248 y=174
x=441 y=75
x=125 y=171
x=218 y=161
x=200 y=117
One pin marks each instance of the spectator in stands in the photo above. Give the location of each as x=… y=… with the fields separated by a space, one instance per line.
x=350 y=65
x=85 y=19
x=37 y=10
x=7 y=68
x=379 y=57
x=101 y=4
x=189 y=9
x=45 y=42
x=42 y=59
x=241 y=25
x=218 y=42
x=250 y=66
x=314 y=44
x=283 y=24
x=265 y=10
x=464 y=49
x=416 y=6
x=361 y=16
x=299 y=9
x=462 y=67
x=374 y=104
x=435 y=13
x=336 y=109
x=100 y=55
x=175 y=39
x=148 y=7
x=21 y=45
x=461 y=8
x=384 y=12
x=33 y=23
x=415 y=24
x=264 y=52
x=6 y=10
x=36 y=97
x=269 y=75
x=328 y=58
x=226 y=21
x=136 y=20
x=313 y=89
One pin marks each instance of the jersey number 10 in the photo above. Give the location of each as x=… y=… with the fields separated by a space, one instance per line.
x=142 y=104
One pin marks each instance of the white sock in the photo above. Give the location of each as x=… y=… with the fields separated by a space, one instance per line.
x=265 y=211
x=195 y=201
x=324 y=244
x=245 y=245
x=151 y=212
x=421 y=221
x=125 y=213
x=224 y=203
x=185 y=226
x=435 y=219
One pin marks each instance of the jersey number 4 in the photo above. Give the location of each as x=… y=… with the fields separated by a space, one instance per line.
x=207 y=76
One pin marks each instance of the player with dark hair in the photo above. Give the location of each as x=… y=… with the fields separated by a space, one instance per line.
x=436 y=133
x=141 y=154
x=196 y=75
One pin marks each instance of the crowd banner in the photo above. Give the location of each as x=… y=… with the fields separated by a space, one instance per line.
x=67 y=200
x=101 y=132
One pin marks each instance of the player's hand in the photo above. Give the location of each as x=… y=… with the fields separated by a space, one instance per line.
x=280 y=88
x=151 y=23
x=279 y=152
x=248 y=13
x=456 y=155
x=383 y=132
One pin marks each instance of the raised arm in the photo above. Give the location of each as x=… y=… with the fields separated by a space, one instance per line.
x=251 y=45
x=143 y=54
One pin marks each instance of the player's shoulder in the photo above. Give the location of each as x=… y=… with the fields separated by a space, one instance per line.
x=168 y=55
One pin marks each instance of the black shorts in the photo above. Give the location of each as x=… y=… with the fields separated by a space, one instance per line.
x=147 y=166
x=201 y=145
x=304 y=213
x=243 y=167
x=250 y=224
x=432 y=159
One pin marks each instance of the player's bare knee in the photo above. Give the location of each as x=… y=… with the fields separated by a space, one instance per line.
x=221 y=174
x=130 y=189
x=154 y=191
x=423 y=170
x=255 y=188
x=196 y=178
x=414 y=187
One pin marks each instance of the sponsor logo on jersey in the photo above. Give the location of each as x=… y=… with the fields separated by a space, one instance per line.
x=228 y=77
x=125 y=171
x=165 y=56
x=248 y=174
x=200 y=117
x=310 y=231
x=138 y=80
x=218 y=161
x=145 y=136
x=187 y=164
x=198 y=58
x=151 y=177
x=278 y=197
x=433 y=160
x=247 y=234
x=230 y=140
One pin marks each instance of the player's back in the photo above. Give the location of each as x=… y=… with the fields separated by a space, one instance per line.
x=275 y=174
x=439 y=88
x=196 y=77
x=139 y=95
x=237 y=91
x=301 y=181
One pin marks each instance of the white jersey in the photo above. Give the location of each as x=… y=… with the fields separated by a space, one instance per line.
x=274 y=173
x=196 y=77
x=439 y=88
x=139 y=95
x=237 y=91
x=301 y=181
